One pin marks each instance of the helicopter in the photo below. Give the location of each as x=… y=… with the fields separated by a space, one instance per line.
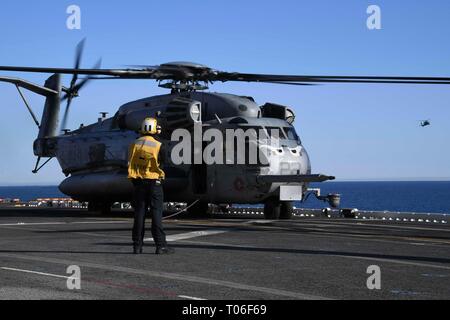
x=94 y=157
x=425 y=123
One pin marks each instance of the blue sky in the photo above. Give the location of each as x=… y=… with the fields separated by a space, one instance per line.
x=351 y=131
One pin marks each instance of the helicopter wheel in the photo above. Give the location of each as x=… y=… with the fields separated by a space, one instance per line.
x=93 y=206
x=99 y=207
x=198 y=210
x=272 y=209
x=287 y=211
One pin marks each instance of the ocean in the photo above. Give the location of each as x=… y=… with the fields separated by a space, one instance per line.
x=428 y=197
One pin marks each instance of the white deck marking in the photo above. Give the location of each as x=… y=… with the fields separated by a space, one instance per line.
x=190 y=235
x=19 y=224
x=35 y=272
x=192 y=298
x=371 y=223
x=260 y=221
x=387 y=260
x=65 y=277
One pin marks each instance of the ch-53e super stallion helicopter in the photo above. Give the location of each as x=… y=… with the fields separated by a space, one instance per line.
x=94 y=157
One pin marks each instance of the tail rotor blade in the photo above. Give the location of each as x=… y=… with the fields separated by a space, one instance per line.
x=78 y=58
x=72 y=91
x=80 y=85
x=66 y=114
x=79 y=53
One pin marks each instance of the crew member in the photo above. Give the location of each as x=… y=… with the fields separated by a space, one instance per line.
x=144 y=170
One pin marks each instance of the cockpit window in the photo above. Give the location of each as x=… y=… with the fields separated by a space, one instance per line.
x=255 y=128
x=291 y=134
x=275 y=132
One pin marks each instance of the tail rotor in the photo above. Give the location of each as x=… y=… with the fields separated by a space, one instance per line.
x=73 y=91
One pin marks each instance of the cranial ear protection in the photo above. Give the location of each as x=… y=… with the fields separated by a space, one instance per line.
x=150 y=126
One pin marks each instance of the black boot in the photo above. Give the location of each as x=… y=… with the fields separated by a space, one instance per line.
x=137 y=249
x=164 y=250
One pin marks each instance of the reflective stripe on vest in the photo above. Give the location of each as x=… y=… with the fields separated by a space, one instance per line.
x=148 y=143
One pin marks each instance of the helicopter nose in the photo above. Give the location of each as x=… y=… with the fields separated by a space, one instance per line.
x=307 y=162
x=299 y=160
x=289 y=161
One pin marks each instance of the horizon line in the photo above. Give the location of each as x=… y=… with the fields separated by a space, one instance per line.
x=431 y=179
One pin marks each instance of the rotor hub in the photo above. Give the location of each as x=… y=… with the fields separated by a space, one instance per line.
x=183 y=86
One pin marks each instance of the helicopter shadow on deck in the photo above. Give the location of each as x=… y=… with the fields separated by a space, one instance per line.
x=63 y=213
x=147 y=230
x=295 y=227
x=58 y=213
x=219 y=248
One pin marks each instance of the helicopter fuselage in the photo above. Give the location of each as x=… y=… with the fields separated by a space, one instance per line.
x=95 y=157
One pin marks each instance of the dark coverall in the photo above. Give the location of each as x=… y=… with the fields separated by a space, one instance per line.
x=148 y=194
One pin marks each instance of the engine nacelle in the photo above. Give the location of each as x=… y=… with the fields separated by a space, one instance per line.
x=271 y=110
x=179 y=113
x=182 y=113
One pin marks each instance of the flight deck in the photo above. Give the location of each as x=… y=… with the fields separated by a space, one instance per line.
x=220 y=258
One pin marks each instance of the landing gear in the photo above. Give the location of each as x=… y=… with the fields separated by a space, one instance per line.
x=103 y=208
x=272 y=209
x=198 y=210
x=92 y=206
x=287 y=211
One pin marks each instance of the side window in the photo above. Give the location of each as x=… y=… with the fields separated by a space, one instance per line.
x=291 y=134
x=115 y=122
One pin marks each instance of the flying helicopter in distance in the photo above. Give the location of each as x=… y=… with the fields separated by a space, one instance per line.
x=94 y=157
x=425 y=123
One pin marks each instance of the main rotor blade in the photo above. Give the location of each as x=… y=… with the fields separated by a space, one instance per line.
x=221 y=76
x=135 y=73
x=324 y=81
x=368 y=81
x=183 y=73
x=289 y=83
